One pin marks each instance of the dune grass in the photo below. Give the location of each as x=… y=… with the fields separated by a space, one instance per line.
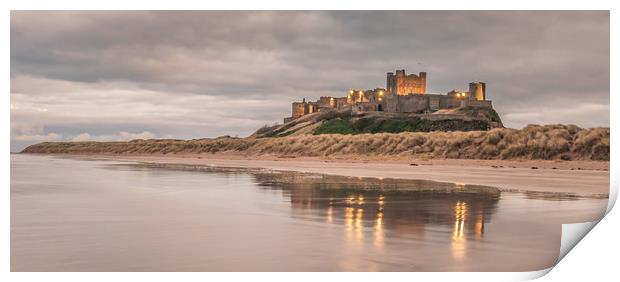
x=562 y=142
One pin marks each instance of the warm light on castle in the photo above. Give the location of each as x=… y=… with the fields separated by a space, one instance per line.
x=403 y=94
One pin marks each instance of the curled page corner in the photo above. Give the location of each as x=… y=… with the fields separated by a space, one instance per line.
x=572 y=234
x=531 y=275
x=613 y=195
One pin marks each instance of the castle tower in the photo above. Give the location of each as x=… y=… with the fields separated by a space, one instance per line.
x=422 y=78
x=403 y=84
x=390 y=85
x=299 y=109
x=477 y=91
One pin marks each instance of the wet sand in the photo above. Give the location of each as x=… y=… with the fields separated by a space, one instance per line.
x=586 y=178
x=76 y=215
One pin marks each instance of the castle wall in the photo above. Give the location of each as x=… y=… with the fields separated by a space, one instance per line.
x=433 y=103
x=365 y=107
x=478 y=104
x=390 y=104
x=448 y=102
x=342 y=102
x=412 y=103
x=325 y=103
x=360 y=96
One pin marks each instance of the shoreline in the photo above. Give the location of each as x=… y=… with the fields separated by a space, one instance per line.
x=581 y=178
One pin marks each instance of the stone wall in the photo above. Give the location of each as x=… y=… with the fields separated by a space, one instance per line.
x=342 y=103
x=433 y=103
x=449 y=102
x=478 y=104
x=412 y=103
x=365 y=107
x=326 y=103
x=390 y=103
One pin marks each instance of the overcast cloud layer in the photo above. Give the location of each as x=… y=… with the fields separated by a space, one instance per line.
x=126 y=75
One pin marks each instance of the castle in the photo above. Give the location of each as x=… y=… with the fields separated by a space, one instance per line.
x=403 y=94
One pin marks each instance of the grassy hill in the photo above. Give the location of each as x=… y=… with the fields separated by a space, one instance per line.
x=347 y=122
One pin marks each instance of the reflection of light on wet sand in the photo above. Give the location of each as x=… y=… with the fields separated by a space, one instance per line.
x=353 y=218
x=350 y=200
x=354 y=223
x=458 y=236
x=354 y=237
x=359 y=226
x=348 y=217
x=378 y=233
x=348 y=223
x=330 y=214
x=479 y=226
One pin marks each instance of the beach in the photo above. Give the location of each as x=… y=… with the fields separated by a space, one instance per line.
x=583 y=178
x=83 y=214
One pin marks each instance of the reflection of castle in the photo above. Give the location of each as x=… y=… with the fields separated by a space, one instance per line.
x=400 y=211
x=403 y=94
x=335 y=200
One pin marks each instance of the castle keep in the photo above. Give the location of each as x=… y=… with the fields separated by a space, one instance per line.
x=403 y=94
x=402 y=84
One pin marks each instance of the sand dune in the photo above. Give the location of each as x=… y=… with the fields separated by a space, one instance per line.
x=534 y=142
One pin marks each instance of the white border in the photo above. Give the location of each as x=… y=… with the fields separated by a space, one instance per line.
x=309 y=5
x=584 y=261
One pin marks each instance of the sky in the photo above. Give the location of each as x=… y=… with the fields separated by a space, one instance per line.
x=122 y=75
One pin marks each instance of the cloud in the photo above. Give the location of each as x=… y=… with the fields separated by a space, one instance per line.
x=121 y=136
x=207 y=73
x=38 y=137
x=586 y=115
